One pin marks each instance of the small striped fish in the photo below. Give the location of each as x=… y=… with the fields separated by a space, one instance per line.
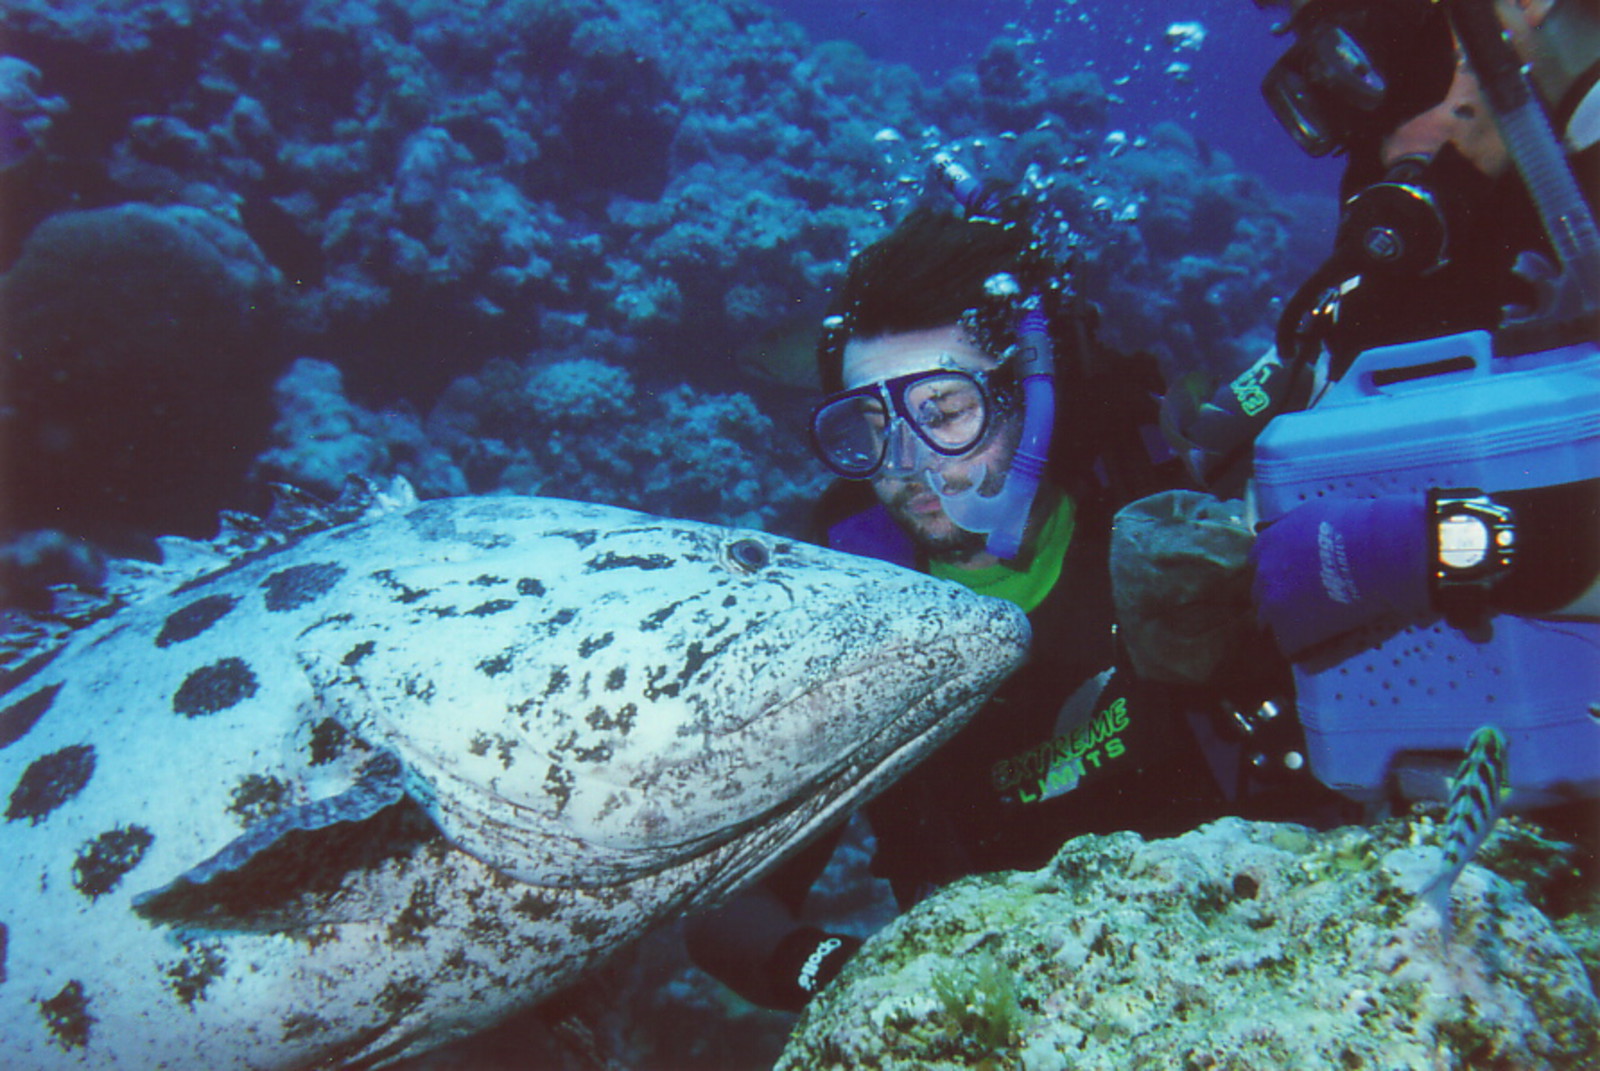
x=1478 y=789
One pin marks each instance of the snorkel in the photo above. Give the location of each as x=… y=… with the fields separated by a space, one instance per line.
x=1573 y=292
x=1003 y=516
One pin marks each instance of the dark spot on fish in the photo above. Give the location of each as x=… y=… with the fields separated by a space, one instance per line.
x=66 y=1015
x=563 y=617
x=599 y=753
x=419 y=915
x=258 y=797
x=654 y=689
x=328 y=739
x=19 y=717
x=192 y=620
x=493 y=606
x=558 y=786
x=103 y=861
x=440 y=611
x=504 y=750
x=298 y=1026
x=486 y=926
x=406 y=594
x=657 y=619
x=486 y=581
x=696 y=658
x=331 y=619
x=419 y=688
x=485 y=541
x=401 y=996
x=582 y=538
x=616 y=679
x=480 y=745
x=50 y=781
x=495 y=665
x=215 y=687
x=610 y=560
x=730 y=602
x=558 y=682
x=622 y=721
x=191 y=976
x=1245 y=887
x=536 y=908
x=294 y=587
x=592 y=644
x=529 y=586
x=358 y=652
x=589 y=929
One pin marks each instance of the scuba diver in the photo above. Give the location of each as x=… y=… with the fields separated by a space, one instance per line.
x=1420 y=448
x=982 y=435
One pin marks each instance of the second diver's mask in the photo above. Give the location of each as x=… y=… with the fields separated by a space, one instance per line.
x=1357 y=66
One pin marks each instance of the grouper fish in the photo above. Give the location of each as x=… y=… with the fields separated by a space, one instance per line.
x=338 y=790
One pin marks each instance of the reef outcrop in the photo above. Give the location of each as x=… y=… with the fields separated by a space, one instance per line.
x=1241 y=946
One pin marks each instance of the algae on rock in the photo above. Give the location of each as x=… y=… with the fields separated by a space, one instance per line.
x=1242 y=945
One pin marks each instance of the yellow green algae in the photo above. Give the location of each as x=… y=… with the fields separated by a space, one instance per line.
x=1242 y=946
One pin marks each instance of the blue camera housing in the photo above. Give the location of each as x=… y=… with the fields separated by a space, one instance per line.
x=1386 y=709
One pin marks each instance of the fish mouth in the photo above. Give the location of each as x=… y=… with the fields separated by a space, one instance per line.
x=867 y=770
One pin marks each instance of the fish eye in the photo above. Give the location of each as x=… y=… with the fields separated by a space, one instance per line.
x=749 y=555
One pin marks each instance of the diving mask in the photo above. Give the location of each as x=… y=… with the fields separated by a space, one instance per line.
x=1357 y=68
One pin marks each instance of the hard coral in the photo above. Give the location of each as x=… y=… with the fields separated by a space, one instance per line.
x=140 y=370
x=1240 y=945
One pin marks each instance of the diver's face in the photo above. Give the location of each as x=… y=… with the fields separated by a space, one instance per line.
x=901 y=484
x=1462 y=119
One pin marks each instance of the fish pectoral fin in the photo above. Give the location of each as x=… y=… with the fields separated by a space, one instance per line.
x=301 y=867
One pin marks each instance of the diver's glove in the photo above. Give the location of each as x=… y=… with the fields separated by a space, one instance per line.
x=1336 y=564
x=804 y=962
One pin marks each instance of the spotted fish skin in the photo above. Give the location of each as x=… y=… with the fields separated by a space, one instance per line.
x=349 y=797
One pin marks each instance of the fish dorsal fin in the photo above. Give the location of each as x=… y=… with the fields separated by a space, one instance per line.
x=290 y=871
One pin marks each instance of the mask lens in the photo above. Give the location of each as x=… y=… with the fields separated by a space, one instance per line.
x=848 y=434
x=947 y=410
x=1343 y=65
x=1295 y=107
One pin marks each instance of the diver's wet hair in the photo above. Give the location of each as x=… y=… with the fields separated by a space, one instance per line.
x=928 y=272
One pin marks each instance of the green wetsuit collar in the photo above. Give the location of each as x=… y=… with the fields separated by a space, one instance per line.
x=1025 y=587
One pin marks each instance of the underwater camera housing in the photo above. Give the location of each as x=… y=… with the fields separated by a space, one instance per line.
x=1381 y=708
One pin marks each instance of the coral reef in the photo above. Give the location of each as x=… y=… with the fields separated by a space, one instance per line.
x=443 y=184
x=140 y=346
x=579 y=428
x=1240 y=945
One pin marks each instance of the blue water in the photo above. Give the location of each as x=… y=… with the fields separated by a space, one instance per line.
x=1218 y=98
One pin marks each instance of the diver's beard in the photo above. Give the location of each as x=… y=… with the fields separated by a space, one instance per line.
x=939 y=537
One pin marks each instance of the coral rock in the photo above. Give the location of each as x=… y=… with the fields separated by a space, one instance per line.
x=1241 y=945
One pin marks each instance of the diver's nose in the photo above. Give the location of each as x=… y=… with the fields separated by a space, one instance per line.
x=901 y=450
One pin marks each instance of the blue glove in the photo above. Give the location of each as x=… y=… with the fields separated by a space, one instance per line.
x=1336 y=564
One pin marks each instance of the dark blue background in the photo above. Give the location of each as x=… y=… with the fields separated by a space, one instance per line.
x=1219 y=101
